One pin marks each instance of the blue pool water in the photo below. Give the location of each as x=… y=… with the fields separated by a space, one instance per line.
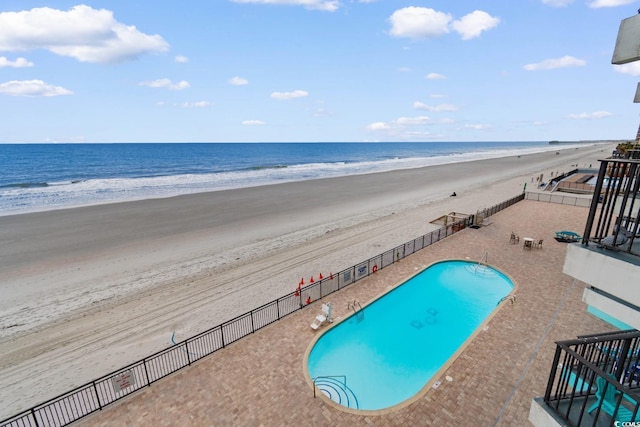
x=406 y=336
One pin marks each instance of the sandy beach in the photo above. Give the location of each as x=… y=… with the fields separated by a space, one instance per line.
x=88 y=290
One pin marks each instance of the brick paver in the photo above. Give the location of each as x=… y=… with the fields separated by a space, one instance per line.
x=260 y=380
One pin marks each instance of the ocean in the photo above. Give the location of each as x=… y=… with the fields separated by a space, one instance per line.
x=40 y=177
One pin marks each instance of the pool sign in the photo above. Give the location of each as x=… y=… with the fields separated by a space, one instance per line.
x=123 y=380
x=362 y=270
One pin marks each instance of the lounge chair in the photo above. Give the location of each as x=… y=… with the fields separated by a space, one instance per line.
x=323 y=317
x=607 y=399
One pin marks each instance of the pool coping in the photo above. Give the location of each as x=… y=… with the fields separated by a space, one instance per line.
x=483 y=326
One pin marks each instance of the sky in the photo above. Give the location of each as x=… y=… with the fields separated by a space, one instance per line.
x=314 y=71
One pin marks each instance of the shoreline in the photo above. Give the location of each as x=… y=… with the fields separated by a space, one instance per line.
x=128 y=190
x=108 y=285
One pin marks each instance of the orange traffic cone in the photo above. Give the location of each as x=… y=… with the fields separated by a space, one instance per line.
x=308 y=300
x=311 y=280
x=330 y=276
x=301 y=282
x=320 y=278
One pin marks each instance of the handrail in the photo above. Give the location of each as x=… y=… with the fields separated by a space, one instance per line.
x=578 y=364
x=613 y=207
x=360 y=312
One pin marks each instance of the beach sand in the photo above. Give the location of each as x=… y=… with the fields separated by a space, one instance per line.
x=88 y=290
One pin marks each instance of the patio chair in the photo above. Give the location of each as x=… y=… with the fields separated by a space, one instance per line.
x=607 y=399
x=323 y=317
x=538 y=244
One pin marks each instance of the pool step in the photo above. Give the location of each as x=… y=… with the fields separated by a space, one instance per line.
x=338 y=391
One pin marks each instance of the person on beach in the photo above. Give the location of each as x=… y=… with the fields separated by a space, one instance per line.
x=453 y=194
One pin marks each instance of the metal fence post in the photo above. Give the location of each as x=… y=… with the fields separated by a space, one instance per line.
x=35 y=420
x=186 y=347
x=146 y=372
x=95 y=390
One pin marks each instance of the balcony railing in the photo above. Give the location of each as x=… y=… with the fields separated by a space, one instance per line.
x=595 y=380
x=614 y=216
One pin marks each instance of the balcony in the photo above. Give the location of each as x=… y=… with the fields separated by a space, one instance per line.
x=614 y=217
x=594 y=381
x=608 y=258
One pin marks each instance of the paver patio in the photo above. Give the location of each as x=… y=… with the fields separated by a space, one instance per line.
x=260 y=380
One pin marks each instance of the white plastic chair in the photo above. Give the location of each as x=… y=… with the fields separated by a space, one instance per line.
x=325 y=316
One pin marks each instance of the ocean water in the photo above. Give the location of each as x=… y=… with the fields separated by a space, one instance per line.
x=39 y=177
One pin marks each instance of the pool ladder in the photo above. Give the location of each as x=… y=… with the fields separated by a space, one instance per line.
x=483 y=261
x=357 y=309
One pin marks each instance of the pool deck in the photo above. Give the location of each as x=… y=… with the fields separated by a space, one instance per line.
x=260 y=380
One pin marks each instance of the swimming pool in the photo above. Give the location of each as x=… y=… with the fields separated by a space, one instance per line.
x=388 y=353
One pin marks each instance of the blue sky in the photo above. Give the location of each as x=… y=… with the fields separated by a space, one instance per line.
x=314 y=70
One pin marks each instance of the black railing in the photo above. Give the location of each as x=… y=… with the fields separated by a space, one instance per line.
x=595 y=380
x=84 y=400
x=614 y=216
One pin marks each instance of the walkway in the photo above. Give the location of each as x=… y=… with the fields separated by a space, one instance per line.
x=260 y=379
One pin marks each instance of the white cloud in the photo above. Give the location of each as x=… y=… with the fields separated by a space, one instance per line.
x=437 y=108
x=289 y=95
x=238 y=81
x=632 y=68
x=166 y=83
x=420 y=120
x=197 y=104
x=422 y=22
x=253 y=123
x=435 y=76
x=478 y=126
x=419 y=22
x=609 y=3
x=32 y=88
x=474 y=23
x=181 y=59
x=18 y=63
x=590 y=116
x=83 y=33
x=557 y=3
x=400 y=122
x=325 y=5
x=550 y=64
x=378 y=126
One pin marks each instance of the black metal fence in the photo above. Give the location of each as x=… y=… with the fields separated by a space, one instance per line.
x=614 y=216
x=97 y=394
x=595 y=380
